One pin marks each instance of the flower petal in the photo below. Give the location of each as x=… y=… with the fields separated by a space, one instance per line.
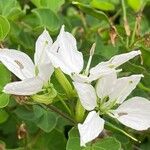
x=101 y=72
x=134 y=113
x=45 y=71
x=105 y=85
x=43 y=43
x=91 y=128
x=64 y=53
x=114 y=62
x=80 y=78
x=86 y=94
x=123 y=87
x=17 y=62
x=26 y=87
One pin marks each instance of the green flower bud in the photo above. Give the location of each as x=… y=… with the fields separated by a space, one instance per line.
x=47 y=96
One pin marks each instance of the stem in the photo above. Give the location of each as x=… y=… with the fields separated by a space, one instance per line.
x=64 y=83
x=53 y=108
x=141 y=86
x=90 y=59
x=124 y=10
x=126 y=26
x=134 y=31
x=88 y=66
x=127 y=42
x=65 y=105
x=120 y=130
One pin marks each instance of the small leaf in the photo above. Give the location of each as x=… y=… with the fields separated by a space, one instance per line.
x=102 y=5
x=3 y=115
x=47 y=121
x=47 y=19
x=73 y=142
x=54 y=5
x=107 y=144
x=93 y=12
x=136 y=5
x=4 y=100
x=10 y=9
x=54 y=140
x=4 y=27
x=5 y=75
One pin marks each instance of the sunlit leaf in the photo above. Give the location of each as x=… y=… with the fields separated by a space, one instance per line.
x=102 y=5
x=4 y=27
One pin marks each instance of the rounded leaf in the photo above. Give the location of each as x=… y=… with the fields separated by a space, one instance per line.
x=4 y=100
x=4 y=27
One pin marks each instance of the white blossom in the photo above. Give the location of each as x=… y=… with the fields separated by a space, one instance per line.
x=64 y=55
x=109 y=91
x=33 y=76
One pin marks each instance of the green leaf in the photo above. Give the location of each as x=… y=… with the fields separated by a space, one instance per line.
x=5 y=75
x=10 y=8
x=73 y=142
x=54 y=5
x=47 y=121
x=4 y=100
x=47 y=19
x=25 y=114
x=136 y=5
x=93 y=12
x=109 y=143
x=105 y=5
x=54 y=140
x=4 y=27
x=3 y=115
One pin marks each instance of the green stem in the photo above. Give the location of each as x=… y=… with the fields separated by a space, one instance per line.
x=120 y=130
x=141 y=86
x=134 y=32
x=124 y=10
x=127 y=42
x=126 y=26
x=79 y=111
x=64 y=83
x=55 y=109
x=65 y=105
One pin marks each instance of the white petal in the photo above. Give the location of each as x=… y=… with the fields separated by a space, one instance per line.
x=80 y=78
x=64 y=53
x=86 y=94
x=17 y=62
x=26 y=87
x=118 y=60
x=91 y=128
x=115 y=61
x=96 y=73
x=105 y=85
x=45 y=71
x=134 y=113
x=43 y=43
x=123 y=87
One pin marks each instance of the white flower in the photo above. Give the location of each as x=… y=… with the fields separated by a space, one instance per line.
x=64 y=55
x=33 y=76
x=91 y=128
x=134 y=113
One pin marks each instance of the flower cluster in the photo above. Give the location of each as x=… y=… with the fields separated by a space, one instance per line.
x=107 y=97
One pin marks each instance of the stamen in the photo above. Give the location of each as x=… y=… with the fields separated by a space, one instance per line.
x=19 y=64
x=122 y=114
x=90 y=59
